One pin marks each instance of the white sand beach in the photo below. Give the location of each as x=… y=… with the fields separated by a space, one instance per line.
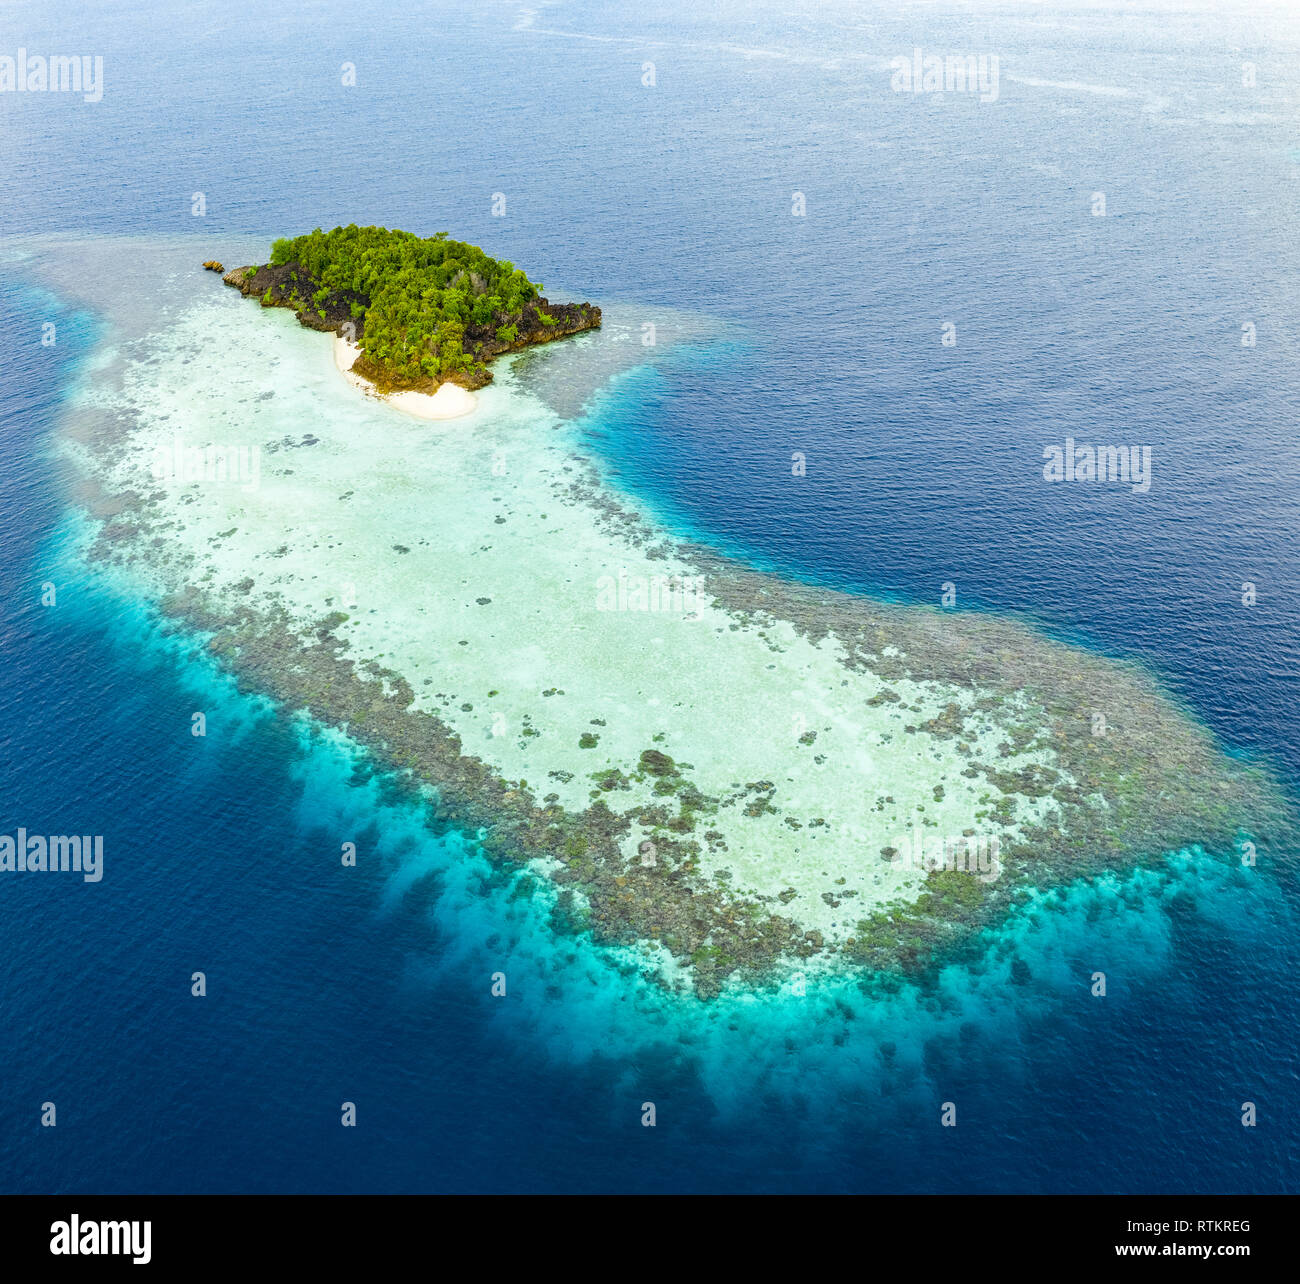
x=450 y=401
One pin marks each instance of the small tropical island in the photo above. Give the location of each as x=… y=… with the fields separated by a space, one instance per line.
x=421 y=311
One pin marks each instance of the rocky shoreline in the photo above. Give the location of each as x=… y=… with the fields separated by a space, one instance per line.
x=289 y=285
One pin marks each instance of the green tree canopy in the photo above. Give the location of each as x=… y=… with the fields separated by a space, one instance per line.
x=418 y=295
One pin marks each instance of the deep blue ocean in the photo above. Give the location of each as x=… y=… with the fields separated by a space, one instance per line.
x=924 y=467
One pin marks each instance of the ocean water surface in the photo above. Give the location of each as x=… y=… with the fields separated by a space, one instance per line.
x=923 y=468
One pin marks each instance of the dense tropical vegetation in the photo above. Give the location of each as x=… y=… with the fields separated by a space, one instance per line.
x=424 y=309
